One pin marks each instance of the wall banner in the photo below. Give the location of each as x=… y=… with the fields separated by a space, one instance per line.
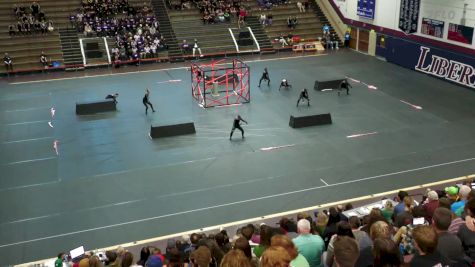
x=409 y=15
x=366 y=8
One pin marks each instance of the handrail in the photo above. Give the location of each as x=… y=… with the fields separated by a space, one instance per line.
x=255 y=40
x=234 y=39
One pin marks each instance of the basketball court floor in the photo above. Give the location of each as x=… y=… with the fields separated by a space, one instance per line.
x=99 y=180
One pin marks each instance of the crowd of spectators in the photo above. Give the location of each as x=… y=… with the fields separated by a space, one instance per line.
x=439 y=231
x=214 y=11
x=30 y=20
x=136 y=30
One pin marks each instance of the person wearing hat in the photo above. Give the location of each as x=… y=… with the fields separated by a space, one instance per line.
x=432 y=203
x=451 y=193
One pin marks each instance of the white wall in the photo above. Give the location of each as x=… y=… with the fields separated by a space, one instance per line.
x=387 y=14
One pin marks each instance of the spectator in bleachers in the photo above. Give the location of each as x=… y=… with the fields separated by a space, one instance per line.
x=269 y=19
x=112 y=259
x=185 y=46
x=144 y=254
x=265 y=237
x=334 y=41
x=449 y=245
x=282 y=40
x=243 y=244
x=153 y=261
x=262 y=19
x=222 y=240
x=431 y=203
x=388 y=211
x=346 y=251
x=35 y=9
x=451 y=193
x=201 y=257
x=404 y=236
x=386 y=253
x=174 y=258
x=379 y=229
x=310 y=246
x=347 y=39
x=459 y=205
x=44 y=60
x=298 y=260
x=425 y=239
x=361 y=236
x=94 y=261
x=276 y=257
x=59 y=260
x=343 y=229
x=326 y=29
x=321 y=223
x=87 y=30
x=235 y=258
x=7 y=60
x=301 y=7
x=289 y=226
x=456 y=221
x=11 y=30
x=196 y=47
x=466 y=232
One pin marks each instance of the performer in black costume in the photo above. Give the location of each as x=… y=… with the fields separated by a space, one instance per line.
x=114 y=97
x=265 y=76
x=304 y=96
x=284 y=83
x=237 y=125
x=146 y=102
x=345 y=85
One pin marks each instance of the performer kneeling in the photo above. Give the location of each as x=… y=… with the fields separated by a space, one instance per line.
x=114 y=97
x=304 y=96
x=237 y=125
x=284 y=83
x=345 y=85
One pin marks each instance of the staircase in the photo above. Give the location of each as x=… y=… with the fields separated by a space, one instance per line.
x=71 y=49
x=174 y=50
x=324 y=20
x=260 y=34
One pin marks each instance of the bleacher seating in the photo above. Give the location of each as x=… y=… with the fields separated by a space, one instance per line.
x=25 y=50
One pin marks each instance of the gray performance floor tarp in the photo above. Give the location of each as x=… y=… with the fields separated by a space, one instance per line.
x=111 y=183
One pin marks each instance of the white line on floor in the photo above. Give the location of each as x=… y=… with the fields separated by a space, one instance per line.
x=25 y=122
x=227 y=204
x=28 y=161
x=323 y=181
x=158 y=70
x=28 y=140
x=26 y=109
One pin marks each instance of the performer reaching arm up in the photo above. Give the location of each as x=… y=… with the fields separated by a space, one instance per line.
x=237 y=125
